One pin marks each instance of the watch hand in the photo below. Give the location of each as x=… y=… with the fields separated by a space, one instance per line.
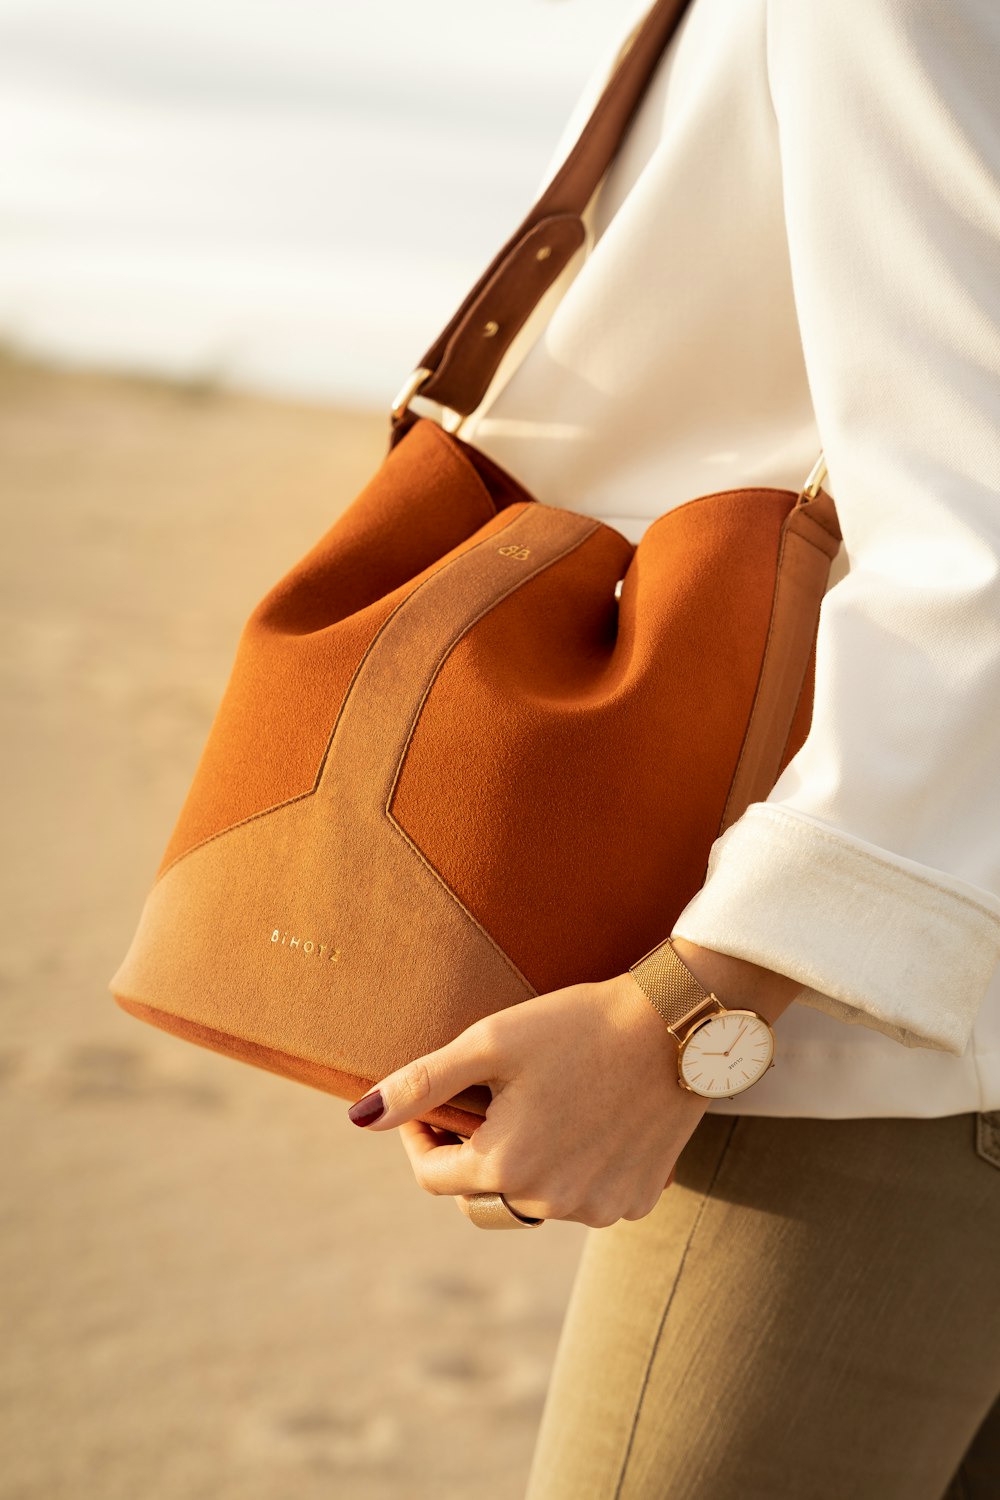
x=732 y=1044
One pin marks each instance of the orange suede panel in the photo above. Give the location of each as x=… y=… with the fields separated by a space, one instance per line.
x=302 y=644
x=567 y=775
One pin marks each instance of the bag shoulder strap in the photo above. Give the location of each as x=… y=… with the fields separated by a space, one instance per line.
x=458 y=367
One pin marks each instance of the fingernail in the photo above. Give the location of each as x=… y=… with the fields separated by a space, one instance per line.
x=367 y=1109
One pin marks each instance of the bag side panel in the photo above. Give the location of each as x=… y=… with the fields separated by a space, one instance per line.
x=301 y=646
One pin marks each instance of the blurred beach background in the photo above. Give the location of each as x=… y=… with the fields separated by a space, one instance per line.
x=227 y=232
x=290 y=196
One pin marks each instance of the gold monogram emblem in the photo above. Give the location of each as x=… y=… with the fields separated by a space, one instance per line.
x=307 y=946
x=513 y=550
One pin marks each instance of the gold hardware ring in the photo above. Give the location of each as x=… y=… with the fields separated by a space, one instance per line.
x=492 y=1211
x=408 y=390
x=815 y=478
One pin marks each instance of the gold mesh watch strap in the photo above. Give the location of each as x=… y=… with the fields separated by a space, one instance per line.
x=669 y=983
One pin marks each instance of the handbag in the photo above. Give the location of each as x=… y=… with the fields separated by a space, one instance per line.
x=475 y=747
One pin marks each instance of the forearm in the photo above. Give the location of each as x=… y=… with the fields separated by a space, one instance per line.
x=737 y=982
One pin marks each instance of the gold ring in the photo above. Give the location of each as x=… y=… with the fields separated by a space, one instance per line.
x=492 y=1211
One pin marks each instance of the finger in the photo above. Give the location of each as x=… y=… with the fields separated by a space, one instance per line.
x=428 y=1081
x=441 y=1167
x=435 y=1133
x=417 y=1137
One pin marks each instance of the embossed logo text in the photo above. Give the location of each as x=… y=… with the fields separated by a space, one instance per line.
x=306 y=946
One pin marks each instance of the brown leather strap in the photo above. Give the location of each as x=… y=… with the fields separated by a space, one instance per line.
x=463 y=361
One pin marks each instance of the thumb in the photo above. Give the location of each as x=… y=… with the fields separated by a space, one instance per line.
x=425 y=1083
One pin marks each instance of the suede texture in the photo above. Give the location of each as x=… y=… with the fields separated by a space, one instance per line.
x=569 y=772
x=810 y=541
x=451 y=771
x=302 y=644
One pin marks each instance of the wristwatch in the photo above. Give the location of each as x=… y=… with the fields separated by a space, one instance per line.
x=720 y=1052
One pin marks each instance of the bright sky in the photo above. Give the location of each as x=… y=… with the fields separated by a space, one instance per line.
x=289 y=194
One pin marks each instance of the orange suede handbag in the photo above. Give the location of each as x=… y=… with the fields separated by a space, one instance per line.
x=475 y=747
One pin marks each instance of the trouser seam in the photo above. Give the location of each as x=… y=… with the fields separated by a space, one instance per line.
x=669 y=1303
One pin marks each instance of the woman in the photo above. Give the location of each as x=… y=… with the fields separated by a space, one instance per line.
x=798 y=246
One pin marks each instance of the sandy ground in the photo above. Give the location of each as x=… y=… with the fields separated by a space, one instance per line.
x=213 y=1286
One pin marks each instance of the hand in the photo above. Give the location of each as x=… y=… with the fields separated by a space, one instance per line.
x=587 y=1117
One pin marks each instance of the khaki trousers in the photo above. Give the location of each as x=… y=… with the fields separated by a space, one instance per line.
x=812 y=1312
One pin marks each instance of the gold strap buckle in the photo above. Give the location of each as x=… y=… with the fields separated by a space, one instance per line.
x=815 y=478
x=446 y=416
x=710 y=1001
x=408 y=390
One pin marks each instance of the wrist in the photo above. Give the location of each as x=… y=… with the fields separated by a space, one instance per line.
x=737 y=982
x=631 y=1005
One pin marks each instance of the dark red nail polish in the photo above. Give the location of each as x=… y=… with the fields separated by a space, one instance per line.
x=367 y=1109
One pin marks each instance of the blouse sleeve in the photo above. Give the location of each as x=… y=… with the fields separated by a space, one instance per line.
x=871 y=873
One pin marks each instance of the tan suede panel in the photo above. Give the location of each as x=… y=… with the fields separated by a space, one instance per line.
x=569 y=771
x=301 y=646
x=782 y=707
x=318 y=929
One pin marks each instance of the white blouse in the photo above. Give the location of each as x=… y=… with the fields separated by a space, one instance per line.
x=797 y=247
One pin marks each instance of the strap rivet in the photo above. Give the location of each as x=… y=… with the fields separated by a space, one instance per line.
x=490 y=329
x=543 y=253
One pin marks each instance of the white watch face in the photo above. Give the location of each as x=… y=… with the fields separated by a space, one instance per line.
x=726 y=1054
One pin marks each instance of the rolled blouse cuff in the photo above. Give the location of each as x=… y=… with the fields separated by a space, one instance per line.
x=875 y=938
